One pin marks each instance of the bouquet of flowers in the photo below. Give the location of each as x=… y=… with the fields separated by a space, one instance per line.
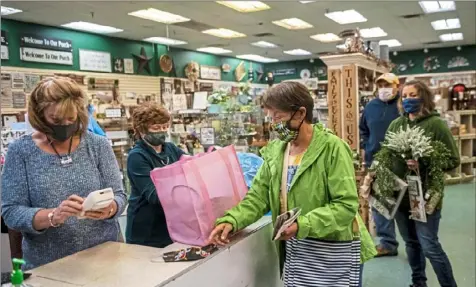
x=220 y=96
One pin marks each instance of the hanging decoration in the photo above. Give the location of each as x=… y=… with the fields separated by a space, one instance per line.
x=143 y=61
x=259 y=74
x=431 y=64
x=457 y=62
x=305 y=74
x=118 y=65
x=226 y=68
x=353 y=41
x=270 y=79
x=240 y=71
x=192 y=71
x=166 y=63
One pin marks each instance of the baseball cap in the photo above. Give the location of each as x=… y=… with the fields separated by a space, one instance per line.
x=389 y=78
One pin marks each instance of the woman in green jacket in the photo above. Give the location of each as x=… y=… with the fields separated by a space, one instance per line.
x=320 y=180
x=421 y=239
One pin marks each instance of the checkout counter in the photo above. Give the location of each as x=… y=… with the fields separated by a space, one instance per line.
x=248 y=261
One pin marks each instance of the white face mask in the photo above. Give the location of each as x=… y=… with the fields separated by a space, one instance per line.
x=385 y=94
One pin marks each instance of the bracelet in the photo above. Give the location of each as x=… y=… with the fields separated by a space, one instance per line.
x=50 y=218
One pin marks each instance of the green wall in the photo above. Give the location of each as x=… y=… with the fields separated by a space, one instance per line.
x=299 y=65
x=117 y=47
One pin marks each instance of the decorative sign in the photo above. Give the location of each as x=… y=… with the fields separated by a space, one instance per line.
x=46 y=56
x=19 y=100
x=77 y=78
x=5 y=54
x=179 y=102
x=129 y=66
x=46 y=43
x=102 y=84
x=113 y=113
x=31 y=81
x=334 y=102
x=455 y=62
x=207 y=136
x=94 y=61
x=285 y=72
x=118 y=65
x=350 y=106
x=210 y=73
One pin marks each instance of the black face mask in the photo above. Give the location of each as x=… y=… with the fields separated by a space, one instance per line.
x=155 y=139
x=62 y=133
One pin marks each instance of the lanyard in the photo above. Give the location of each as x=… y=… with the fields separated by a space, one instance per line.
x=66 y=159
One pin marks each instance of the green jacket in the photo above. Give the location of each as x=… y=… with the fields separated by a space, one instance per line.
x=324 y=187
x=437 y=130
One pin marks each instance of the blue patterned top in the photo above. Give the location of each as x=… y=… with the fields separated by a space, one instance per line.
x=33 y=180
x=293 y=164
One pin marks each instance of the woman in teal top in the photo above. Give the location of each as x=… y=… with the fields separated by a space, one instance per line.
x=146 y=223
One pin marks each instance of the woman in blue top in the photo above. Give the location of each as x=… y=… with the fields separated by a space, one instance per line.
x=48 y=174
x=146 y=223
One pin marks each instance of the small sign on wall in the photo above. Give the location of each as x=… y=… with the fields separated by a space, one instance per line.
x=334 y=101
x=5 y=54
x=95 y=61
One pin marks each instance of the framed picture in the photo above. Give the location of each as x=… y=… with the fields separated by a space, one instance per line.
x=207 y=136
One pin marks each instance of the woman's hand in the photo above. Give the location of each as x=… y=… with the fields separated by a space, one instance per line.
x=70 y=207
x=290 y=232
x=219 y=235
x=104 y=213
x=412 y=164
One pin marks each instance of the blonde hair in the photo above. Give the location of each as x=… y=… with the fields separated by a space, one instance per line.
x=60 y=91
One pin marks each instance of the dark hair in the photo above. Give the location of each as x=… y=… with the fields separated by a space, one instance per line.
x=289 y=97
x=424 y=93
x=147 y=114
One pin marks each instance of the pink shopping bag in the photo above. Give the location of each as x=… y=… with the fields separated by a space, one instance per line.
x=197 y=190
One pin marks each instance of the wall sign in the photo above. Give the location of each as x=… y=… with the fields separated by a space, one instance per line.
x=129 y=66
x=46 y=56
x=285 y=72
x=210 y=73
x=207 y=136
x=95 y=61
x=46 y=43
x=334 y=101
x=350 y=106
x=4 y=46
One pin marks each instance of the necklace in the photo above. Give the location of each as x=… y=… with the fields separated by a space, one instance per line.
x=65 y=160
x=164 y=163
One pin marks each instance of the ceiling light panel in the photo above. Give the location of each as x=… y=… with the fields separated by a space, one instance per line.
x=346 y=17
x=298 y=52
x=91 y=27
x=390 y=43
x=451 y=37
x=165 y=41
x=326 y=38
x=446 y=24
x=9 y=11
x=257 y=58
x=159 y=16
x=293 y=24
x=214 y=50
x=264 y=44
x=373 y=32
x=224 y=33
x=245 y=6
x=437 y=6
x=306 y=2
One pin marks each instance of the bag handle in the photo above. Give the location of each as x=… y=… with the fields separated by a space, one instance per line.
x=283 y=198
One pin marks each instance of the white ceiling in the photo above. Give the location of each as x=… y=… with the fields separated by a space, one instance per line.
x=412 y=33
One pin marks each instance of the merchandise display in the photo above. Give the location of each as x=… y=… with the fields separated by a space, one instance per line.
x=222 y=113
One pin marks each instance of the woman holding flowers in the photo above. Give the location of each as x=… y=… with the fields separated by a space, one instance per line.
x=432 y=153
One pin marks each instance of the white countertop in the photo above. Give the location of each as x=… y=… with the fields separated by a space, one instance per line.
x=119 y=264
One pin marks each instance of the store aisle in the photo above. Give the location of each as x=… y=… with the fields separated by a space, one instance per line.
x=457 y=235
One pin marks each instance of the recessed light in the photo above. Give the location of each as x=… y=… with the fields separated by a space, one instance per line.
x=9 y=11
x=165 y=41
x=390 y=43
x=264 y=44
x=437 y=6
x=293 y=24
x=91 y=27
x=214 y=50
x=346 y=17
x=257 y=58
x=451 y=37
x=326 y=38
x=446 y=24
x=298 y=52
x=159 y=16
x=245 y=6
x=306 y=2
x=224 y=33
x=373 y=32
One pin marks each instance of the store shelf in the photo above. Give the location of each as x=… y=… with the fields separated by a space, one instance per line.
x=468 y=160
x=467 y=136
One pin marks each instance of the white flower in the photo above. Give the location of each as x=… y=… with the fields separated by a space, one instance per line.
x=409 y=141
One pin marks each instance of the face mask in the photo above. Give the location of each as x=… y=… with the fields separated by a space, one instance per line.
x=411 y=105
x=385 y=94
x=63 y=132
x=155 y=139
x=285 y=132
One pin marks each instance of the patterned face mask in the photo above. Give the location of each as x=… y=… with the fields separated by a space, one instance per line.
x=285 y=132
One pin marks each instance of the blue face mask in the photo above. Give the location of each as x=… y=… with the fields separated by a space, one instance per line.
x=411 y=105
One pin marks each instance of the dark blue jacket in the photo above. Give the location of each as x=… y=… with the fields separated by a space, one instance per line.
x=146 y=223
x=375 y=120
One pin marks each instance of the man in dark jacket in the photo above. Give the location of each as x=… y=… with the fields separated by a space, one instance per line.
x=376 y=118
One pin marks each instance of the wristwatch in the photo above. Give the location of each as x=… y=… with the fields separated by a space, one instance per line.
x=50 y=218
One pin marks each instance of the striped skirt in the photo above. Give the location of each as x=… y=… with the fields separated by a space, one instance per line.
x=317 y=263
